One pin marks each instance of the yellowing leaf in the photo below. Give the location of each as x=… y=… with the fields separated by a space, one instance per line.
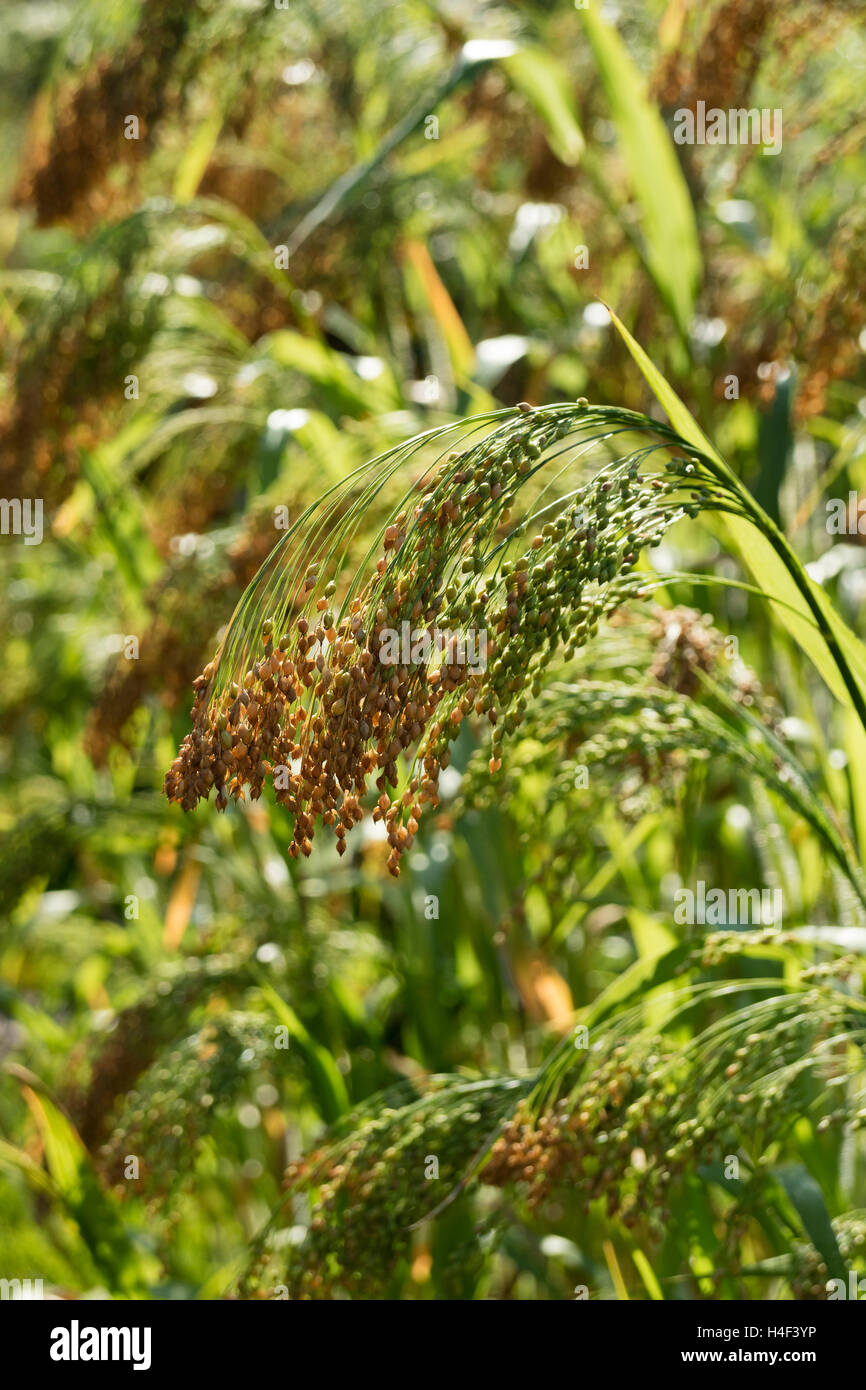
x=442 y=308
x=545 y=994
x=196 y=157
x=181 y=904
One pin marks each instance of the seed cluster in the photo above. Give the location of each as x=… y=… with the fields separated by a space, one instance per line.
x=322 y=708
x=173 y=1102
x=623 y=1123
x=68 y=375
x=809 y=1279
x=87 y=138
x=725 y=62
x=828 y=338
x=373 y=1187
x=688 y=645
x=642 y=1116
x=136 y=1036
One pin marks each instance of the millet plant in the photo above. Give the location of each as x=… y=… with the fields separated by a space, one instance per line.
x=531 y=525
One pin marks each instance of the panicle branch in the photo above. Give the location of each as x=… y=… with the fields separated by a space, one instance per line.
x=309 y=691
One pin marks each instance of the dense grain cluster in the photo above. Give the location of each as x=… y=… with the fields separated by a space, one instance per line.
x=723 y=67
x=172 y=1103
x=137 y=1034
x=324 y=708
x=641 y=1117
x=828 y=341
x=624 y=1123
x=87 y=139
x=67 y=372
x=372 y=1187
